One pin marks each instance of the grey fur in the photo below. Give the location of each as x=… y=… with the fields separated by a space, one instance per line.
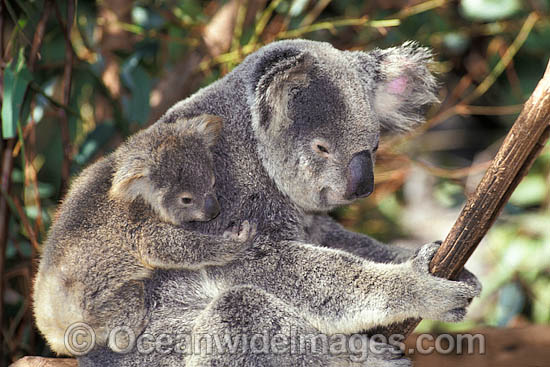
x=296 y=113
x=121 y=220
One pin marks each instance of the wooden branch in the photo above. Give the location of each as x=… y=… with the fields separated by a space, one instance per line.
x=39 y=35
x=519 y=150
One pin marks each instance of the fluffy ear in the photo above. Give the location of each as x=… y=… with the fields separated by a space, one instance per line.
x=403 y=86
x=208 y=127
x=275 y=72
x=130 y=179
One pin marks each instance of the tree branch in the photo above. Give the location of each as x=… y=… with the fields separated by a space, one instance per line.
x=519 y=150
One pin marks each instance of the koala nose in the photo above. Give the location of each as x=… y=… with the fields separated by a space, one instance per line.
x=211 y=206
x=360 y=176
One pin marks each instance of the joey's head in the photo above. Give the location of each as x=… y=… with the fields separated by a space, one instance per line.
x=317 y=113
x=170 y=167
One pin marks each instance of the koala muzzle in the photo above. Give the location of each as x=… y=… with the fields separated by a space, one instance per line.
x=360 y=176
x=211 y=206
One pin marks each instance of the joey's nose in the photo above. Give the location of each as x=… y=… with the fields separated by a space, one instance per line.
x=360 y=176
x=211 y=206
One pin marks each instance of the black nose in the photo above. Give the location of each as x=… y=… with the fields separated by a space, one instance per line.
x=211 y=206
x=360 y=176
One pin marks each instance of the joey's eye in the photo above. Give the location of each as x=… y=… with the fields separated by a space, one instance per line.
x=375 y=148
x=186 y=200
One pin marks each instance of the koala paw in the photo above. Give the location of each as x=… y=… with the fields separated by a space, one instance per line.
x=469 y=278
x=242 y=233
x=442 y=299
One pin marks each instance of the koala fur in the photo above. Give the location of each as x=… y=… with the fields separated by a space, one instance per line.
x=122 y=219
x=302 y=123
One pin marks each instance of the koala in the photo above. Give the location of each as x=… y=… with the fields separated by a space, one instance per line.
x=302 y=125
x=125 y=216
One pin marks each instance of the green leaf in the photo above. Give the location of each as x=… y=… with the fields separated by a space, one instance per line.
x=16 y=79
x=31 y=10
x=136 y=107
x=94 y=141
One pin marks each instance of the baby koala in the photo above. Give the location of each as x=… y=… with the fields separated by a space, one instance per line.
x=125 y=216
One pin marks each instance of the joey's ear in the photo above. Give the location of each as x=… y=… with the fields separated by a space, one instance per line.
x=275 y=72
x=130 y=179
x=403 y=86
x=208 y=127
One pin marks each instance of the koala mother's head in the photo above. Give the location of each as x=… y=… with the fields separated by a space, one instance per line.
x=317 y=114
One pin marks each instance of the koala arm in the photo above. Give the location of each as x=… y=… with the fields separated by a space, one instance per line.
x=338 y=292
x=325 y=231
x=166 y=246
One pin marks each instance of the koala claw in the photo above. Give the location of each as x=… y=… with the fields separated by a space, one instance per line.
x=421 y=260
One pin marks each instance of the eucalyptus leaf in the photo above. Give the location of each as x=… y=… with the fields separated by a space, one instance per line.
x=93 y=142
x=136 y=106
x=16 y=79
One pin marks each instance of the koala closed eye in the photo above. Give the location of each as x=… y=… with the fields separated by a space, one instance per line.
x=321 y=148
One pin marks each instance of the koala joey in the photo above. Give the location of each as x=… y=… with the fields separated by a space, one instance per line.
x=171 y=171
x=124 y=217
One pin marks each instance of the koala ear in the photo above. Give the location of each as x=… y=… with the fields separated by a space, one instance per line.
x=276 y=70
x=130 y=179
x=403 y=86
x=208 y=127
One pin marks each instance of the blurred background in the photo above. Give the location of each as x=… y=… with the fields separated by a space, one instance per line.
x=79 y=76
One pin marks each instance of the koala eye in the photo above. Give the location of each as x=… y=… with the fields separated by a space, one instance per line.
x=375 y=149
x=321 y=148
x=186 y=200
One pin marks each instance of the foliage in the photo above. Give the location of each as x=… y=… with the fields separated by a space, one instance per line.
x=71 y=94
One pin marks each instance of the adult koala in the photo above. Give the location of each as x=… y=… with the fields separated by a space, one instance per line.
x=302 y=123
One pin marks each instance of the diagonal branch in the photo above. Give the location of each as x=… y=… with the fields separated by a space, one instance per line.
x=519 y=150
